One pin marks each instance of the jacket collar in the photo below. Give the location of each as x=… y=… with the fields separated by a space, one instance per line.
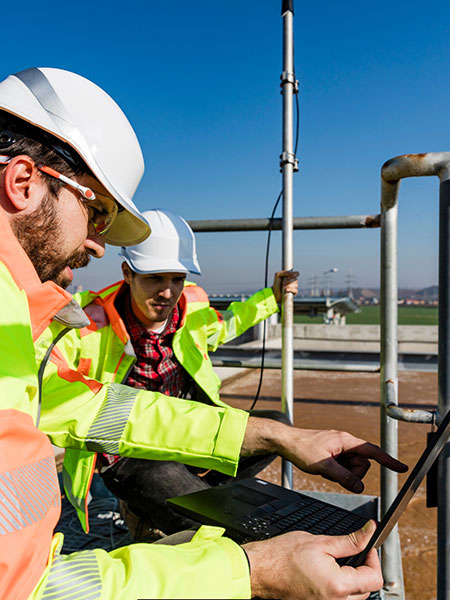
x=182 y=307
x=108 y=296
x=44 y=299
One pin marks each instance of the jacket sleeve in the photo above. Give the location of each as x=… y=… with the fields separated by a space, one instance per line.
x=210 y=566
x=29 y=493
x=81 y=413
x=239 y=316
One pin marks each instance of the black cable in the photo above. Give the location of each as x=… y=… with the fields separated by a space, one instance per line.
x=42 y=368
x=263 y=351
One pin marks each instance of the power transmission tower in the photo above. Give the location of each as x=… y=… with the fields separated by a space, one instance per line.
x=350 y=280
x=314 y=284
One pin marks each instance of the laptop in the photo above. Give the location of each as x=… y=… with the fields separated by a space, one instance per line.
x=253 y=509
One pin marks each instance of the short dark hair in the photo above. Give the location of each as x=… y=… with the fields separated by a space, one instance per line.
x=19 y=137
x=125 y=262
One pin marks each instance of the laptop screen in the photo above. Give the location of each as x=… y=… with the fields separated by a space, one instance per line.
x=408 y=489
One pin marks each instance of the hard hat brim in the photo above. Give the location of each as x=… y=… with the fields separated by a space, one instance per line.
x=128 y=229
x=147 y=265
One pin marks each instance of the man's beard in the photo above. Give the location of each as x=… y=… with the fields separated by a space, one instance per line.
x=39 y=235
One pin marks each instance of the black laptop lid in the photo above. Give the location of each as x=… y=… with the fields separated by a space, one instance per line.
x=408 y=489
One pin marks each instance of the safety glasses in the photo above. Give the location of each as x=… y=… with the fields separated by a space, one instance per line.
x=101 y=209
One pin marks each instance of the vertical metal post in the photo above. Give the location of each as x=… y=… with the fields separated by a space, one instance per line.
x=443 y=524
x=415 y=165
x=388 y=376
x=288 y=163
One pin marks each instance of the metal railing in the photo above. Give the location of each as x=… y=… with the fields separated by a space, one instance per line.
x=392 y=172
x=339 y=222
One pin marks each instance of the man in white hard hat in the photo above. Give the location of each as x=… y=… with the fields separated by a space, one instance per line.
x=57 y=127
x=171 y=327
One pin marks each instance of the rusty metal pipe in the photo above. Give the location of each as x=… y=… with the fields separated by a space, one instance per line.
x=410 y=165
x=303 y=223
x=411 y=415
x=413 y=165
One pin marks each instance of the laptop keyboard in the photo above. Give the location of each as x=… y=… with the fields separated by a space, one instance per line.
x=306 y=514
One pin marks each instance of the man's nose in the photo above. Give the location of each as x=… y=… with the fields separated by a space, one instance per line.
x=166 y=291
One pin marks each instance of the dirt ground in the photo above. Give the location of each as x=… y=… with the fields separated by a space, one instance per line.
x=350 y=401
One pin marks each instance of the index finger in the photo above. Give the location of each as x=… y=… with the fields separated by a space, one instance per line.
x=369 y=450
x=288 y=273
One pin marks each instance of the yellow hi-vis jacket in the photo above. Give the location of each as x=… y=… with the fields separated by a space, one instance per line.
x=31 y=562
x=103 y=351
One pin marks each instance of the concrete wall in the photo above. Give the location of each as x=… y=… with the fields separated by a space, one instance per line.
x=421 y=339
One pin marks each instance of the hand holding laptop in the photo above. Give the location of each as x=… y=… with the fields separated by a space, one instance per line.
x=336 y=455
x=301 y=566
x=301 y=563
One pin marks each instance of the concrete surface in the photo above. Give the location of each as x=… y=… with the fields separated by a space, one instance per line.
x=416 y=339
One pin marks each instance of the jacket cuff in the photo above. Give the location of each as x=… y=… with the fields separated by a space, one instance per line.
x=230 y=437
x=232 y=575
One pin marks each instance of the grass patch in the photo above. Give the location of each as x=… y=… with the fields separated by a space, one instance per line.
x=370 y=315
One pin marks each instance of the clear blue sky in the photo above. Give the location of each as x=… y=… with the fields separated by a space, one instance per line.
x=200 y=83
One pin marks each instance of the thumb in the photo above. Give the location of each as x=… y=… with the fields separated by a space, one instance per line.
x=348 y=545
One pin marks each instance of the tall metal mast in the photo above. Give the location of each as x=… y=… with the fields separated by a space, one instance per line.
x=288 y=165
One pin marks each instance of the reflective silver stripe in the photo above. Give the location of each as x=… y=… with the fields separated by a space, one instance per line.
x=45 y=94
x=74 y=577
x=42 y=90
x=106 y=430
x=26 y=494
x=11 y=517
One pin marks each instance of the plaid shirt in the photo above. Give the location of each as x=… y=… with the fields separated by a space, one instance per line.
x=156 y=368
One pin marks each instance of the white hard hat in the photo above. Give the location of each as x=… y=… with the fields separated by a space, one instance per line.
x=78 y=112
x=170 y=248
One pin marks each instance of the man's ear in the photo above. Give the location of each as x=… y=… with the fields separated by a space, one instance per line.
x=126 y=272
x=22 y=183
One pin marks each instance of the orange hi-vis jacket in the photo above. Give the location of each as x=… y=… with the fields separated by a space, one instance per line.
x=29 y=492
x=103 y=351
x=31 y=563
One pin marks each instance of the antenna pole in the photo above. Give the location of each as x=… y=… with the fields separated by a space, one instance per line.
x=288 y=164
